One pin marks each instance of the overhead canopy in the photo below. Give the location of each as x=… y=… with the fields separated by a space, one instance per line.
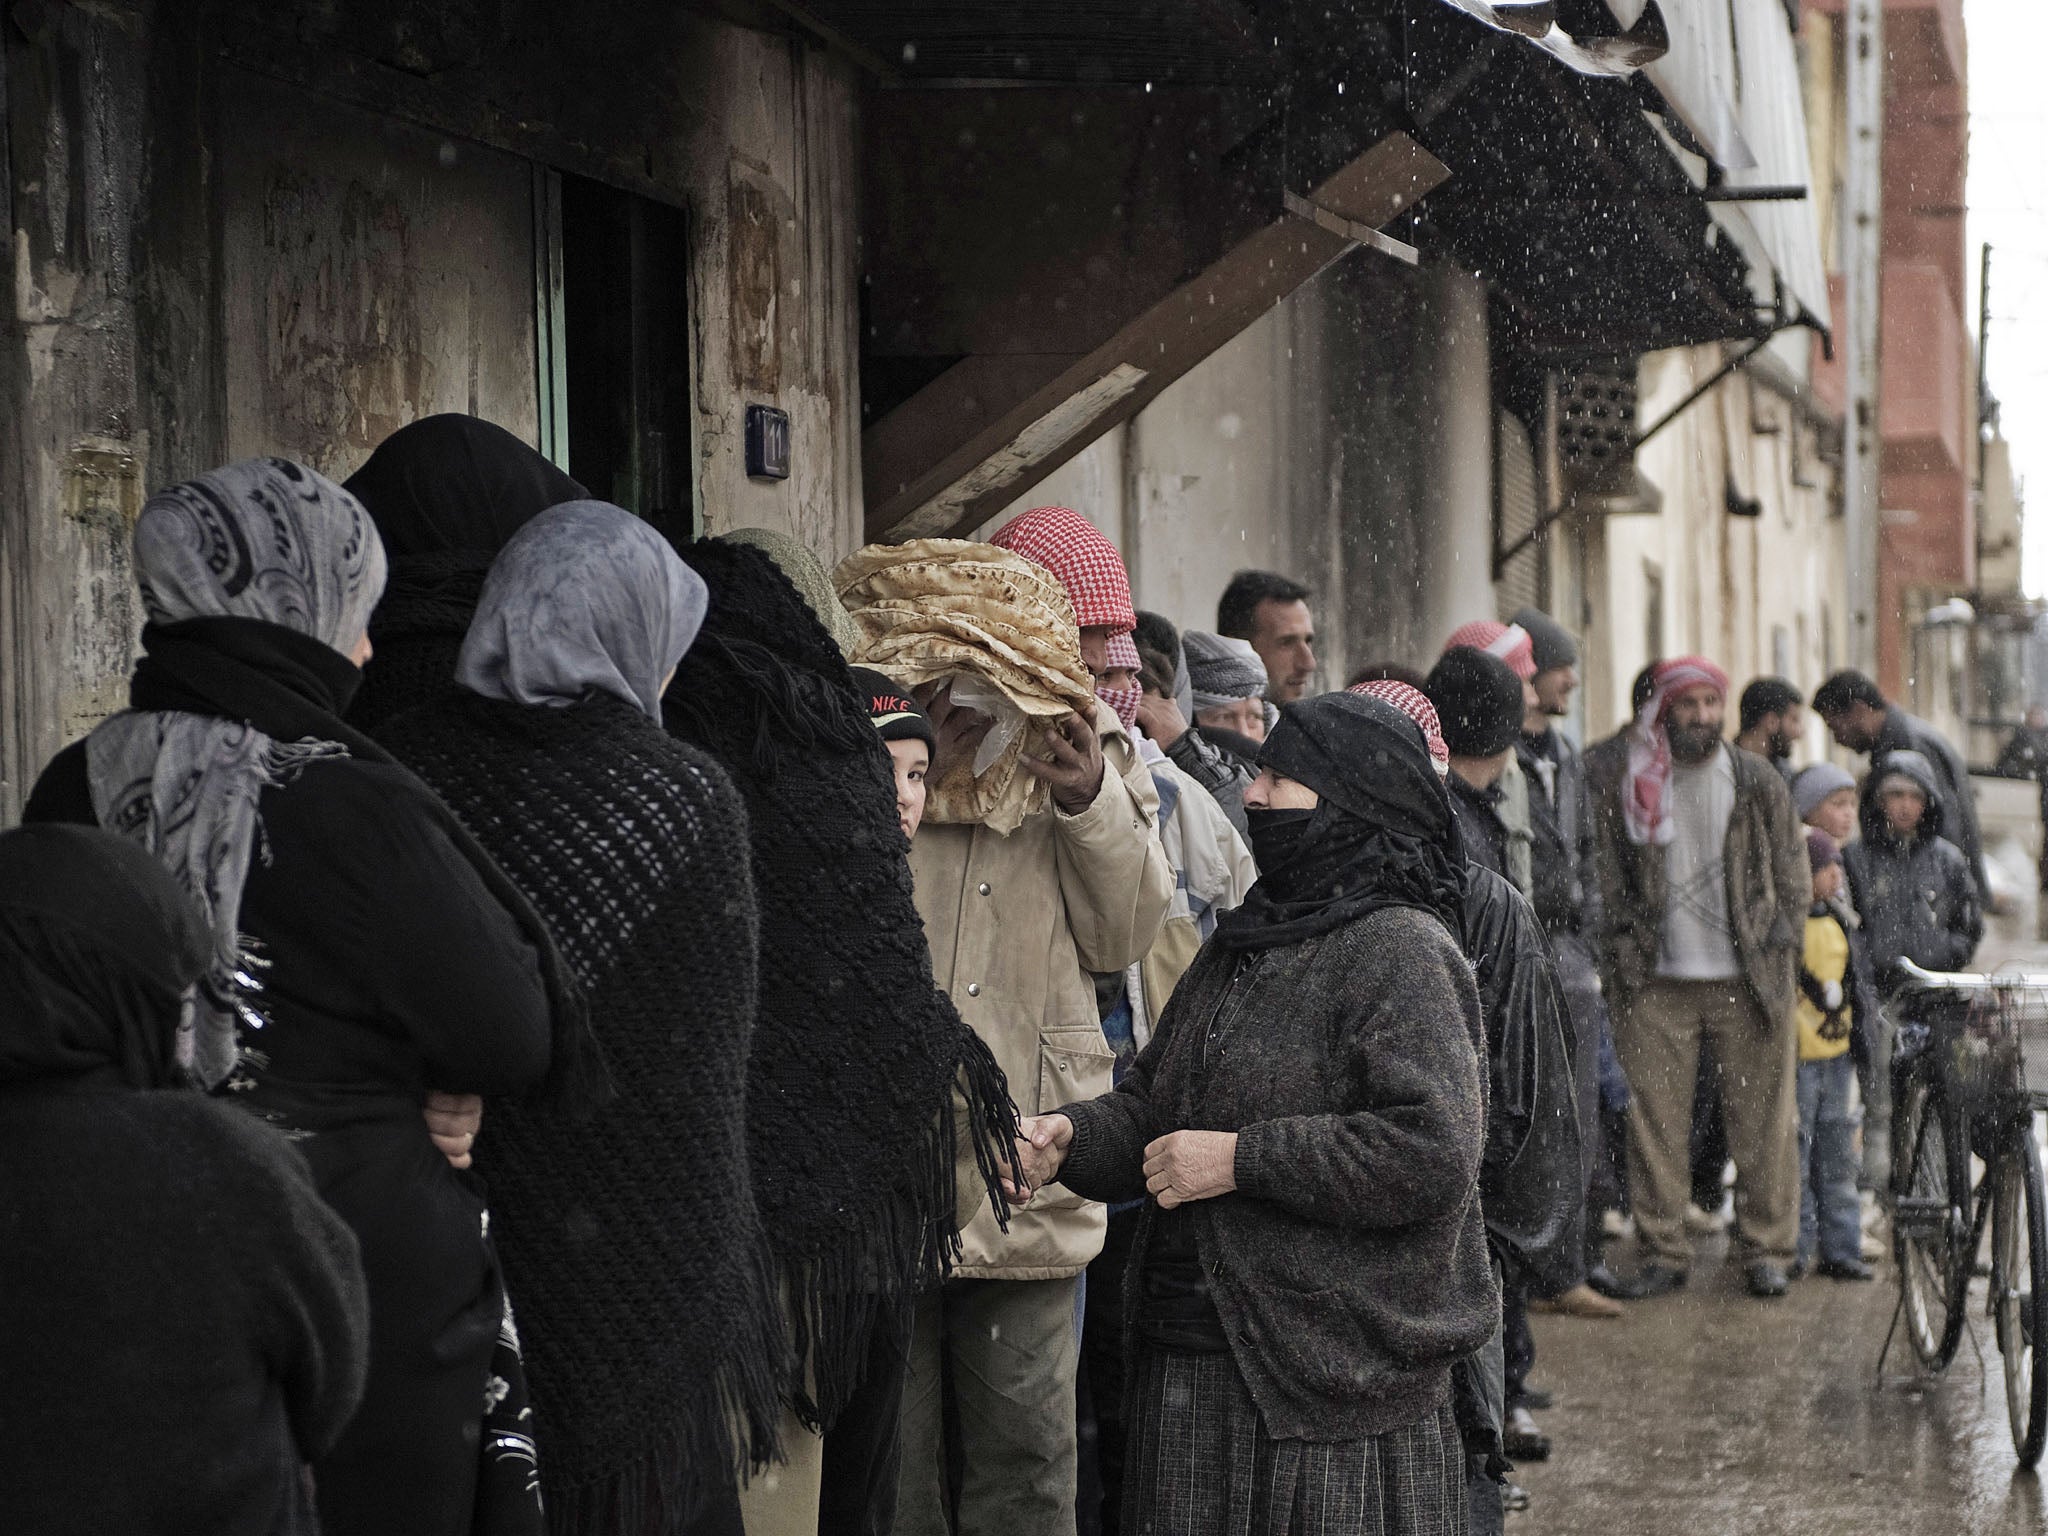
x=1731 y=77
x=1068 y=205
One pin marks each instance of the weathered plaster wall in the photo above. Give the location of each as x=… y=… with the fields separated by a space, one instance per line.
x=373 y=272
x=754 y=133
x=78 y=435
x=1756 y=594
x=771 y=172
x=1343 y=439
x=202 y=265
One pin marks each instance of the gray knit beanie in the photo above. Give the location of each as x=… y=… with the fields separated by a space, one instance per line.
x=1553 y=643
x=1815 y=784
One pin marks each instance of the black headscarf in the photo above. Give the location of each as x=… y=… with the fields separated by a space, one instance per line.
x=291 y=686
x=446 y=494
x=99 y=947
x=1381 y=834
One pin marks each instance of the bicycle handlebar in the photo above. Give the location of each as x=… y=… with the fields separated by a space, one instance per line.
x=1923 y=980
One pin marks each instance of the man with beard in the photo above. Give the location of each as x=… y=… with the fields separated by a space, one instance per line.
x=1704 y=883
x=1773 y=719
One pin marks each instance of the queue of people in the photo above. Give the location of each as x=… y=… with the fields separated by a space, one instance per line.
x=677 y=1038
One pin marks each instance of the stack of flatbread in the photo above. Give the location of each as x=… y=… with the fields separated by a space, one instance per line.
x=997 y=629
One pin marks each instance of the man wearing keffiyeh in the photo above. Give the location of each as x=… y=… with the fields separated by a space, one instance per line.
x=1704 y=883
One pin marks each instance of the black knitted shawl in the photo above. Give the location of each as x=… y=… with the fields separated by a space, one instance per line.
x=850 y=1097
x=632 y=1246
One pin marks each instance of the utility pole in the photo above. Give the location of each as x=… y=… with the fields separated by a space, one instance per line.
x=1862 y=267
x=1983 y=407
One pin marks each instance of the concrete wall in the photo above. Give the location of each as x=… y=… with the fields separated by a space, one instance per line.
x=1343 y=439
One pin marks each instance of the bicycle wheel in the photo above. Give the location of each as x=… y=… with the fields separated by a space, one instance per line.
x=1927 y=1225
x=2019 y=1289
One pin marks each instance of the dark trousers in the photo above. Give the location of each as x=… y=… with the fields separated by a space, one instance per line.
x=1103 y=1433
x=1518 y=1344
x=1709 y=1140
x=864 y=1447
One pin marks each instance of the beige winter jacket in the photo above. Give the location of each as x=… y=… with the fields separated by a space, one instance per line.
x=1016 y=925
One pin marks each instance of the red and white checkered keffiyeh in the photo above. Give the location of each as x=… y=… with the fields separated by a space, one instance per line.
x=1505 y=642
x=1416 y=706
x=1081 y=556
x=1123 y=652
x=1646 y=794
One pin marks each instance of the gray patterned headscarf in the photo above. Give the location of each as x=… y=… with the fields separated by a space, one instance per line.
x=1222 y=670
x=261 y=539
x=585 y=597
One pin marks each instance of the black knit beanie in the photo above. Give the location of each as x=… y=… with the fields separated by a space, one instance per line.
x=1478 y=700
x=1553 y=643
x=894 y=712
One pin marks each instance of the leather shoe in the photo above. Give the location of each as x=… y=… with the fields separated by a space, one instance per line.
x=1513 y=1497
x=1845 y=1269
x=1765 y=1279
x=1580 y=1301
x=1606 y=1282
x=1522 y=1440
x=1651 y=1280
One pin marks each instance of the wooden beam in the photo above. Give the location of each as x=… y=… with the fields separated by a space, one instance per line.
x=963 y=447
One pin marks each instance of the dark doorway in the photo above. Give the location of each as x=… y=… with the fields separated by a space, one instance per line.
x=626 y=325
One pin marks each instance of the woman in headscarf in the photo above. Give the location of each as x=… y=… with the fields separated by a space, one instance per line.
x=861 y=1070
x=184 y=1320
x=445 y=492
x=1306 y=1127
x=633 y=1247
x=370 y=954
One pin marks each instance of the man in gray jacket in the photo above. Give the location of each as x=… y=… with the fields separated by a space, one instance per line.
x=1705 y=884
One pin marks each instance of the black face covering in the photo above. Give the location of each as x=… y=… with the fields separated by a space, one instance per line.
x=1382 y=835
x=1276 y=835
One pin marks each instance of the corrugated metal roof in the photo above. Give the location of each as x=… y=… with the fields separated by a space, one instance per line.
x=1731 y=76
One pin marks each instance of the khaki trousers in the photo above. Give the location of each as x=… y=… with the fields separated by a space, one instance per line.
x=1013 y=1347
x=1657 y=1035
x=782 y=1498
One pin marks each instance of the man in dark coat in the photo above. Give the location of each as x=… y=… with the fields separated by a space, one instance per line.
x=1480 y=703
x=1861 y=720
x=2025 y=756
x=1567 y=903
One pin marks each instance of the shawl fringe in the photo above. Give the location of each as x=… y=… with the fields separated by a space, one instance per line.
x=836 y=1299
x=665 y=1487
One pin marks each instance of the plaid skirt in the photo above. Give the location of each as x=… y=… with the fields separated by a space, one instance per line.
x=1200 y=1463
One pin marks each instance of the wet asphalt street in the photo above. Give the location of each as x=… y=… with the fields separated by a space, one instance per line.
x=1708 y=1413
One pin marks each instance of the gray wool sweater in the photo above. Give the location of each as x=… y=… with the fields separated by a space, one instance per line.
x=1349 y=1266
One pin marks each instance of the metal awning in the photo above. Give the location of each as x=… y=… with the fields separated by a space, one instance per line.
x=1587 y=199
x=1731 y=78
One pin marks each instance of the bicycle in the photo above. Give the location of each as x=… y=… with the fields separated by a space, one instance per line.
x=1960 y=1089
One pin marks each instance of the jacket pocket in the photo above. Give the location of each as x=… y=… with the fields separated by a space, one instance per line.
x=1074 y=1063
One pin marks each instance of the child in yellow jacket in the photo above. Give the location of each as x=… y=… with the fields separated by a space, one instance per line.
x=1829 y=1216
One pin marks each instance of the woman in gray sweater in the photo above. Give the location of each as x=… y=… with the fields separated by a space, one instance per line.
x=1307 y=1123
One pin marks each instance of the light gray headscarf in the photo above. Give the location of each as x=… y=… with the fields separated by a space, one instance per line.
x=261 y=539
x=586 y=596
